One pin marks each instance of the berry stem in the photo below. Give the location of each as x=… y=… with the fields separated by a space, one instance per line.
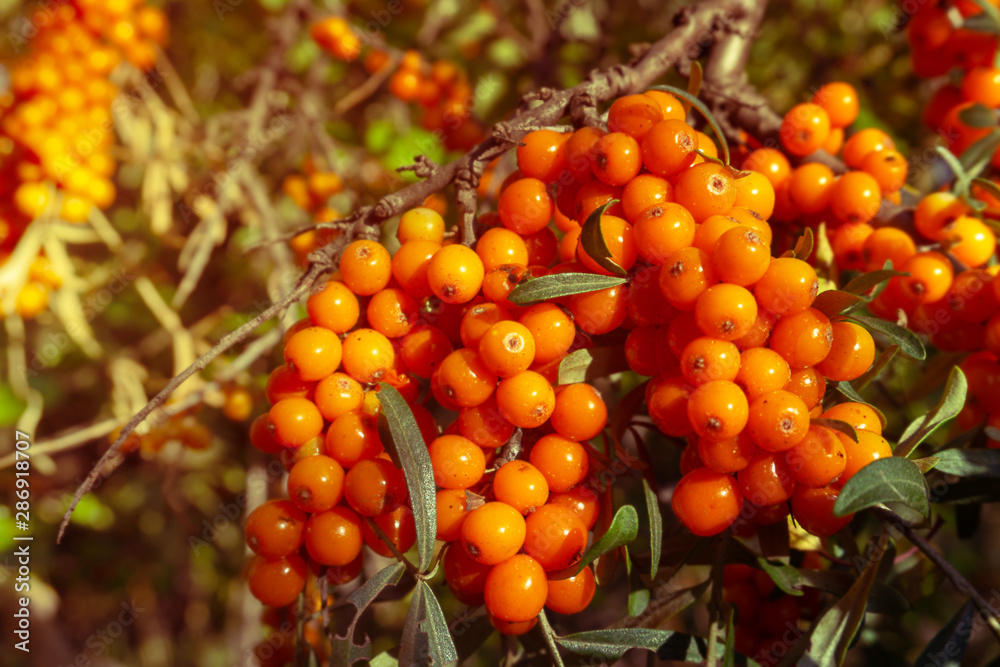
x=550 y=638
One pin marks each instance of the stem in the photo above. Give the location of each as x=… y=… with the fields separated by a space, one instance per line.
x=718 y=571
x=392 y=547
x=550 y=639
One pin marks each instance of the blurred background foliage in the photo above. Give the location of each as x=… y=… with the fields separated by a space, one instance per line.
x=163 y=532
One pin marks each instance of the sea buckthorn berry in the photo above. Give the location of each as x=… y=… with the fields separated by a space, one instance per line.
x=261 y=436
x=555 y=537
x=465 y=379
x=334 y=537
x=499 y=246
x=725 y=311
x=617 y=159
x=930 y=277
x=351 y=438
x=337 y=395
x=770 y=162
x=755 y=193
x=705 y=190
x=887 y=244
x=620 y=241
x=635 y=115
x=645 y=303
x=277 y=582
x=542 y=155
x=669 y=148
x=451 y=513
x=365 y=267
x=368 y=355
x=835 y=141
x=580 y=151
x=972 y=295
x=717 y=410
x=484 y=425
x=761 y=371
x=741 y=257
x=392 y=312
x=520 y=485
x=642 y=192
x=599 y=312
x=804 y=129
x=516 y=589
x=493 y=532
x=888 y=168
x=813 y=510
x=848 y=242
x=399 y=527
x=455 y=274
x=855 y=197
x=283 y=383
x=562 y=461
x=420 y=224
x=803 y=339
x=971 y=241
x=766 y=480
x=374 y=486
x=669 y=105
x=711 y=230
x=410 y=267
x=840 y=101
x=935 y=211
x=466 y=578
x=525 y=206
x=640 y=350
x=863 y=142
x=507 y=348
x=477 y=321
x=498 y=283
x=808 y=384
x=424 y=348
x=667 y=399
x=706 y=359
x=275 y=529
x=810 y=187
x=851 y=355
x=729 y=455
x=760 y=331
x=661 y=230
x=594 y=194
x=580 y=412
x=313 y=353
x=573 y=594
x=690 y=460
x=458 y=462
x=869 y=447
x=335 y=35
x=982 y=84
x=707 y=502
x=338 y=575
x=686 y=275
x=819 y=459
x=582 y=499
x=334 y=307
x=789 y=286
x=316 y=483
x=543 y=247
x=860 y=416
x=526 y=400
x=778 y=421
x=295 y=421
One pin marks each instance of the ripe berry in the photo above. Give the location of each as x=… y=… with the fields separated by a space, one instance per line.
x=803 y=339
x=424 y=348
x=727 y=456
x=338 y=394
x=685 y=276
x=484 y=425
x=368 y=355
x=667 y=398
x=313 y=353
x=525 y=206
x=617 y=159
x=275 y=529
x=365 y=267
x=851 y=355
x=599 y=312
x=840 y=101
x=334 y=537
x=392 y=312
x=542 y=155
x=741 y=256
x=818 y=459
x=316 y=483
x=761 y=371
x=620 y=242
x=465 y=379
x=717 y=410
x=870 y=446
x=455 y=274
x=669 y=148
x=766 y=480
x=930 y=277
x=813 y=510
x=562 y=461
x=399 y=527
x=662 y=230
x=493 y=532
x=420 y=224
x=705 y=190
x=526 y=400
x=499 y=246
x=466 y=578
x=580 y=412
x=635 y=115
x=410 y=266
x=858 y=415
x=507 y=348
x=725 y=311
x=555 y=537
x=804 y=129
x=277 y=582
x=573 y=594
x=778 y=421
x=333 y=307
x=451 y=513
x=520 y=485
x=458 y=462
x=516 y=589
x=295 y=421
x=706 y=502
x=374 y=486
x=789 y=286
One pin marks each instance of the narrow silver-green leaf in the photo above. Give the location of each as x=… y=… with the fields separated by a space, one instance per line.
x=883 y=360
x=554 y=286
x=977 y=115
x=883 y=598
x=345 y=652
x=409 y=451
x=590 y=363
x=837 y=425
x=889 y=480
x=638 y=592
x=951 y=403
x=785 y=577
x=906 y=339
x=947 y=647
x=655 y=527
x=700 y=106
x=613 y=644
x=729 y=657
x=835 y=302
x=969 y=462
x=988 y=185
x=593 y=243
x=623 y=530
x=863 y=283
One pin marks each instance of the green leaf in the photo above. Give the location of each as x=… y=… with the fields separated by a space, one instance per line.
x=977 y=115
x=950 y=641
x=981 y=23
x=623 y=529
x=975 y=158
x=544 y=288
x=402 y=437
x=956 y=166
x=833 y=632
x=638 y=592
x=593 y=243
x=878 y=366
x=906 y=339
x=591 y=363
x=926 y=464
x=837 y=425
x=785 y=577
x=863 y=283
x=700 y=106
x=426 y=639
x=345 y=652
x=729 y=657
x=804 y=246
x=655 y=527
x=614 y=643
x=988 y=185
x=883 y=599
x=694 y=85
x=888 y=480
x=951 y=403
x=835 y=302
x=969 y=462
x=383 y=660
x=850 y=392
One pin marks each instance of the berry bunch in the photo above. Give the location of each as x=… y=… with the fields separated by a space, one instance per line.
x=311 y=191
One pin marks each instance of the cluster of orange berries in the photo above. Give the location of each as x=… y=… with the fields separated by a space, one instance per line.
x=311 y=191
x=442 y=89
x=56 y=125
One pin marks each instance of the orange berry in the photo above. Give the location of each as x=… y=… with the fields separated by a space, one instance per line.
x=283 y=382
x=761 y=371
x=316 y=483
x=729 y=455
x=662 y=230
x=580 y=412
x=555 y=537
x=295 y=421
x=365 y=267
x=525 y=206
x=277 y=582
x=420 y=224
x=499 y=246
x=334 y=307
x=818 y=459
x=410 y=267
x=669 y=105
x=812 y=509
x=756 y=193
x=484 y=425
x=810 y=187
x=706 y=502
x=541 y=154
x=686 y=275
x=334 y=537
x=579 y=151
x=516 y=589
x=599 y=312
x=642 y=192
x=888 y=168
x=717 y=410
x=374 y=486
x=766 y=480
x=851 y=355
x=368 y=355
x=455 y=274
x=770 y=162
x=399 y=527
x=972 y=242
x=458 y=462
x=803 y=339
x=930 y=278
x=667 y=399
x=620 y=241
x=870 y=446
x=635 y=115
x=562 y=461
x=392 y=312
x=526 y=400
x=313 y=353
x=669 y=148
x=855 y=197
x=725 y=311
x=521 y=485
x=573 y=594
x=493 y=533
x=353 y=437
x=552 y=330
x=840 y=101
x=788 y=286
x=804 y=129
x=861 y=143
x=708 y=359
x=424 y=348
x=465 y=379
x=275 y=529
x=705 y=190
x=858 y=415
x=617 y=159
x=778 y=421
x=741 y=257
x=466 y=578
x=451 y=513
x=808 y=384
